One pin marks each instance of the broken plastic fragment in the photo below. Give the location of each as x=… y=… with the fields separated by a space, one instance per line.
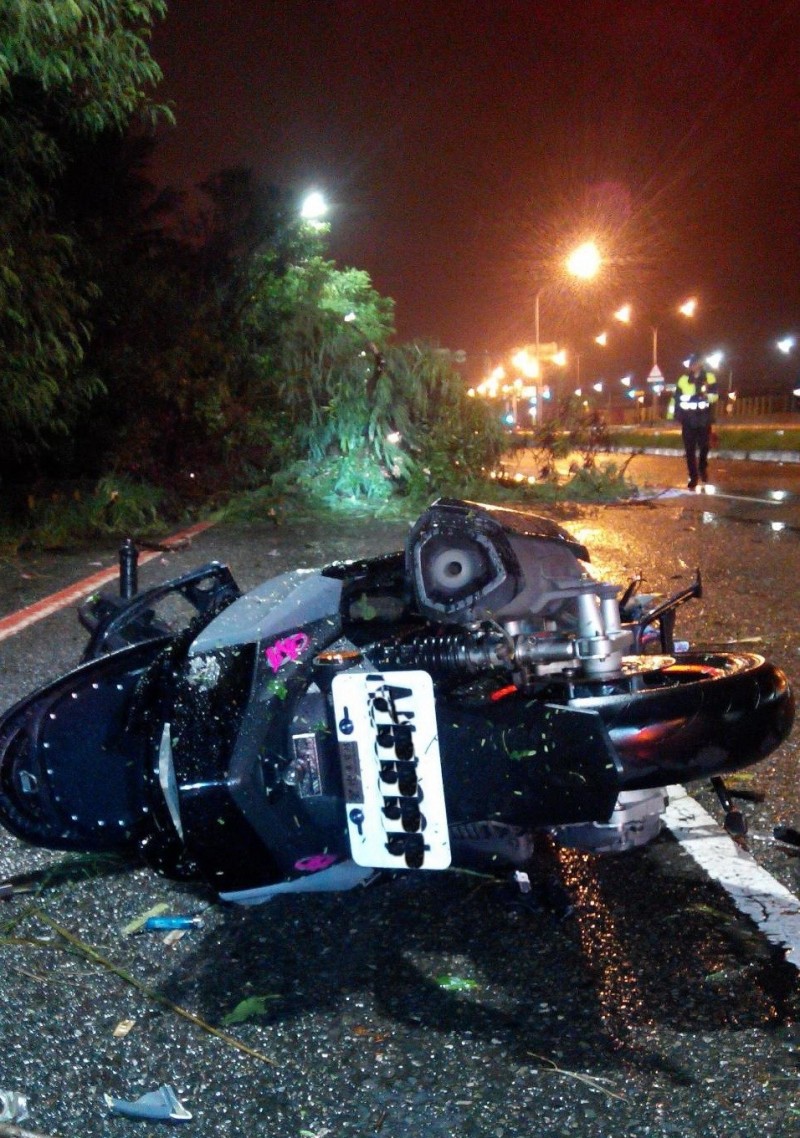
x=162 y=1105
x=13 y=1106
x=456 y=983
x=177 y=921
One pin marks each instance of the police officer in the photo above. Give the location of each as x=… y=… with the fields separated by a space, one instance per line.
x=694 y=408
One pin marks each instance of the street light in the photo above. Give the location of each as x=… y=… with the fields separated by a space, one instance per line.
x=656 y=378
x=313 y=209
x=688 y=309
x=714 y=359
x=583 y=262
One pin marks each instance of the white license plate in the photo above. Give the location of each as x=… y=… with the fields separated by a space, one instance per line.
x=391 y=769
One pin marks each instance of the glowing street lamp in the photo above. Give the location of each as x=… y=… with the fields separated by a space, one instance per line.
x=624 y=314
x=314 y=209
x=585 y=261
x=688 y=309
x=786 y=344
x=714 y=359
x=526 y=363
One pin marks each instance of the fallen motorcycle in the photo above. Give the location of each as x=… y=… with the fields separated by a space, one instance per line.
x=438 y=706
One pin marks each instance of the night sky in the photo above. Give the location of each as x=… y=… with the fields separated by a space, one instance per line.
x=463 y=146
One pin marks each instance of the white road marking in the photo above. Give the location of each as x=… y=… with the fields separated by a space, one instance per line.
x=740 y=497
x=772 y=906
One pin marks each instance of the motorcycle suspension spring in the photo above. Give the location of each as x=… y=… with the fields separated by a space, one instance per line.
x=445 y=655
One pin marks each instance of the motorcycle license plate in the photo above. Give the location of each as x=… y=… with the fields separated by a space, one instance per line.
x=389 y=752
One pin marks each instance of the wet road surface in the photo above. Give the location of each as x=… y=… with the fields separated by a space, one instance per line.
x=656 y=1009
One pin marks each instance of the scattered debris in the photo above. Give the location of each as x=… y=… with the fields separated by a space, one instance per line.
x=173 y=937
x=123 y=1028
x=138 y=923
x=456 y=983
x=178 y=921
x=595 y=1083
x=13 y=1106
x=162 y=1105
x=787 y=834
x=247 y=1009
x=97 y=958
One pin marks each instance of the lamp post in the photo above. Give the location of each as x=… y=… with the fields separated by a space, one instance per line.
x=786 y=345
x=583 y=262
x=688 y=308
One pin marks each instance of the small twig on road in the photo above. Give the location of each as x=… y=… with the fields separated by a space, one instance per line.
x=595 y=1084
x=97 y=958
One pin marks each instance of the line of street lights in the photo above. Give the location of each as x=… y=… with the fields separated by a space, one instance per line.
x=583 y=263
x=529 y=366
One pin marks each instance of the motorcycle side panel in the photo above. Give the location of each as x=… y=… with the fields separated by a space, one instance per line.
x=72 y=772
x=282 y=604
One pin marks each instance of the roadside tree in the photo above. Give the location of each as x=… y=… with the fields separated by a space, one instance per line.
x=68 y=71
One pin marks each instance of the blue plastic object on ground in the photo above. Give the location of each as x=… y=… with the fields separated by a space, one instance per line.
x=162 y=1105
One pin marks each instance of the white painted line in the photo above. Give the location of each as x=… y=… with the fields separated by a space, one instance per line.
x=772 y=906
x=15 y=622
x=740 y=498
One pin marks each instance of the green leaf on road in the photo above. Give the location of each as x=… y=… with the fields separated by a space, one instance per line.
x=247 y=1009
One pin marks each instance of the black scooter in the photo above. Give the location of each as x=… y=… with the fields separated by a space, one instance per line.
x=437 y=706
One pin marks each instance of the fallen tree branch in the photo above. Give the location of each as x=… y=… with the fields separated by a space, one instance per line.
x=97 y=958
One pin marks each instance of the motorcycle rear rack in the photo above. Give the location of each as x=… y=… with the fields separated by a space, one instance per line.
x=115 y=622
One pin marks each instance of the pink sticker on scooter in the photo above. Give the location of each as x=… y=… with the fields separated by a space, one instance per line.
x=289 y=648
x=315 y=863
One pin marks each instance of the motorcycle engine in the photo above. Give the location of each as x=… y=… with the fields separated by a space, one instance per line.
x=471 y=563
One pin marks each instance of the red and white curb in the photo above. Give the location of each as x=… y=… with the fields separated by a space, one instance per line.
x=15 y=622
x=756 y=893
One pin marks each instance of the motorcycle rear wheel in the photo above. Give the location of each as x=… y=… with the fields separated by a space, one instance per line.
x=697 y=714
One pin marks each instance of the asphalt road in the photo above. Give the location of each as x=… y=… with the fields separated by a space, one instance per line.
x=656 y=1009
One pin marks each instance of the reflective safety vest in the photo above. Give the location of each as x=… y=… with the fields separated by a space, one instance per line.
x=693 y=394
